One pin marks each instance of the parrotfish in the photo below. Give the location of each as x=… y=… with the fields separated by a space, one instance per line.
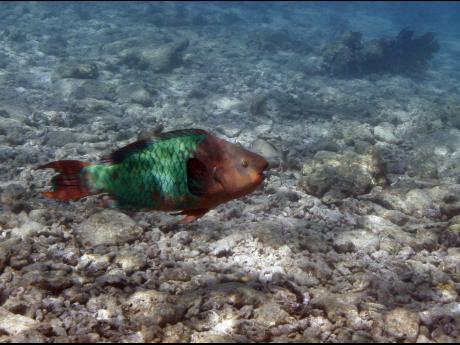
x=191 y=171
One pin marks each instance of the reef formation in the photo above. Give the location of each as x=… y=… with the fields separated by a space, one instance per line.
x=405 y=54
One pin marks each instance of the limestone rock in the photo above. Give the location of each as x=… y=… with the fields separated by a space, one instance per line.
x=385 y=132
x=402 y=324
x=158 y=307
x=14 y=324
x=108 y=227
x=342 y=175
x=356 y=240
x=267 y=150
x=78 y=70
x=161 y=59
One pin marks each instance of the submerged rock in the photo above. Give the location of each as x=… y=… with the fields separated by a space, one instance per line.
x=142 y=96
x=14 y=324
x=161 y=59
x=385 y=132
x=448 y=199
x=341 y=175
x=78 y=70
x=14 y=196
x=267 y=150
x=92 y=89
x=404 y=54
x=271 y=314
x=154 y=307
x=108 y=227
x=356 y=240
x=402 y=324
x=6 y=250
x=60 y=138
x=131 y=261
x=26 y=230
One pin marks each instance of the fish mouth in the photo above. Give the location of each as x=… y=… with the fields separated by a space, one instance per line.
x=263 y=172
x=262 y=176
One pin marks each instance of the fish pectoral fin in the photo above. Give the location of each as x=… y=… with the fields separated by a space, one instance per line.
x=192 y=215
x=197 y=177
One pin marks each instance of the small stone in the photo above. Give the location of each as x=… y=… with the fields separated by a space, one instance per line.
x=341 y=175
x=254 y=330
x=224 y=246
x=60 y=138
x=162 y=59
x=78 y=70
x=177 y=274
x=358 y=133
x=385 y=132
x=271 y=314
x=142 y=96
x=157 y=307
x=177 y=333
x=182 y=237
x=454 y=228
x=212 y=337
x=235 y=294
x=14 y=324
x=402 y=324
x=26 y=230
x=230 y=132
x=6 y=250
x=108 y=227
x=13 y=195
x=421 y=204
x=131 y=262
x=450 y=310
x=113 y=277
x=421 y=339
x=93 y=264
x=356 y=240
x=267 y=150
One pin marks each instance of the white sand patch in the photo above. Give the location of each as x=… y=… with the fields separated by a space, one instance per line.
x=226 y=103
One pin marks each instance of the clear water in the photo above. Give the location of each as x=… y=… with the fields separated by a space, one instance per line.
x=297 y=82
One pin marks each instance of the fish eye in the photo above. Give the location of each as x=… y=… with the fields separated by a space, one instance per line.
x=244 y=163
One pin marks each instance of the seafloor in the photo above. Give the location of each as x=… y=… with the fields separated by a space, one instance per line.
x=355 y=235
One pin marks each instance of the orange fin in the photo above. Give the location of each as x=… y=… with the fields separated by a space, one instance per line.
x=68 y=185
x=192 y=215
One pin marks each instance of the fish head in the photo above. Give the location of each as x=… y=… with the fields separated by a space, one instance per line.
x=238 y=170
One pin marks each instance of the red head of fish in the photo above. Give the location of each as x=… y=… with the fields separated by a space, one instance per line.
x=227 y=171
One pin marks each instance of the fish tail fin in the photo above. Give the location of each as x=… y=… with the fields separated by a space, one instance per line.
x=71 y=182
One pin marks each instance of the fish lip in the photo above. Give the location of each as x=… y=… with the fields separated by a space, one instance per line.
x=263 y=175
x=263 y=172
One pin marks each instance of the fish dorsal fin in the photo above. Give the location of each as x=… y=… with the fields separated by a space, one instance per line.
x=122 y=153
x=180 y=133
x=119 y=155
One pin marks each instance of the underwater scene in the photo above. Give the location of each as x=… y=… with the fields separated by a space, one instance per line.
x=229 y=171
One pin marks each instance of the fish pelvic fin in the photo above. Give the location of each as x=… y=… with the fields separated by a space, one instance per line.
x=71 y=182
x=192 y=215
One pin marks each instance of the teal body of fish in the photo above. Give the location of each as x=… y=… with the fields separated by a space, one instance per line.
x=153 y=176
